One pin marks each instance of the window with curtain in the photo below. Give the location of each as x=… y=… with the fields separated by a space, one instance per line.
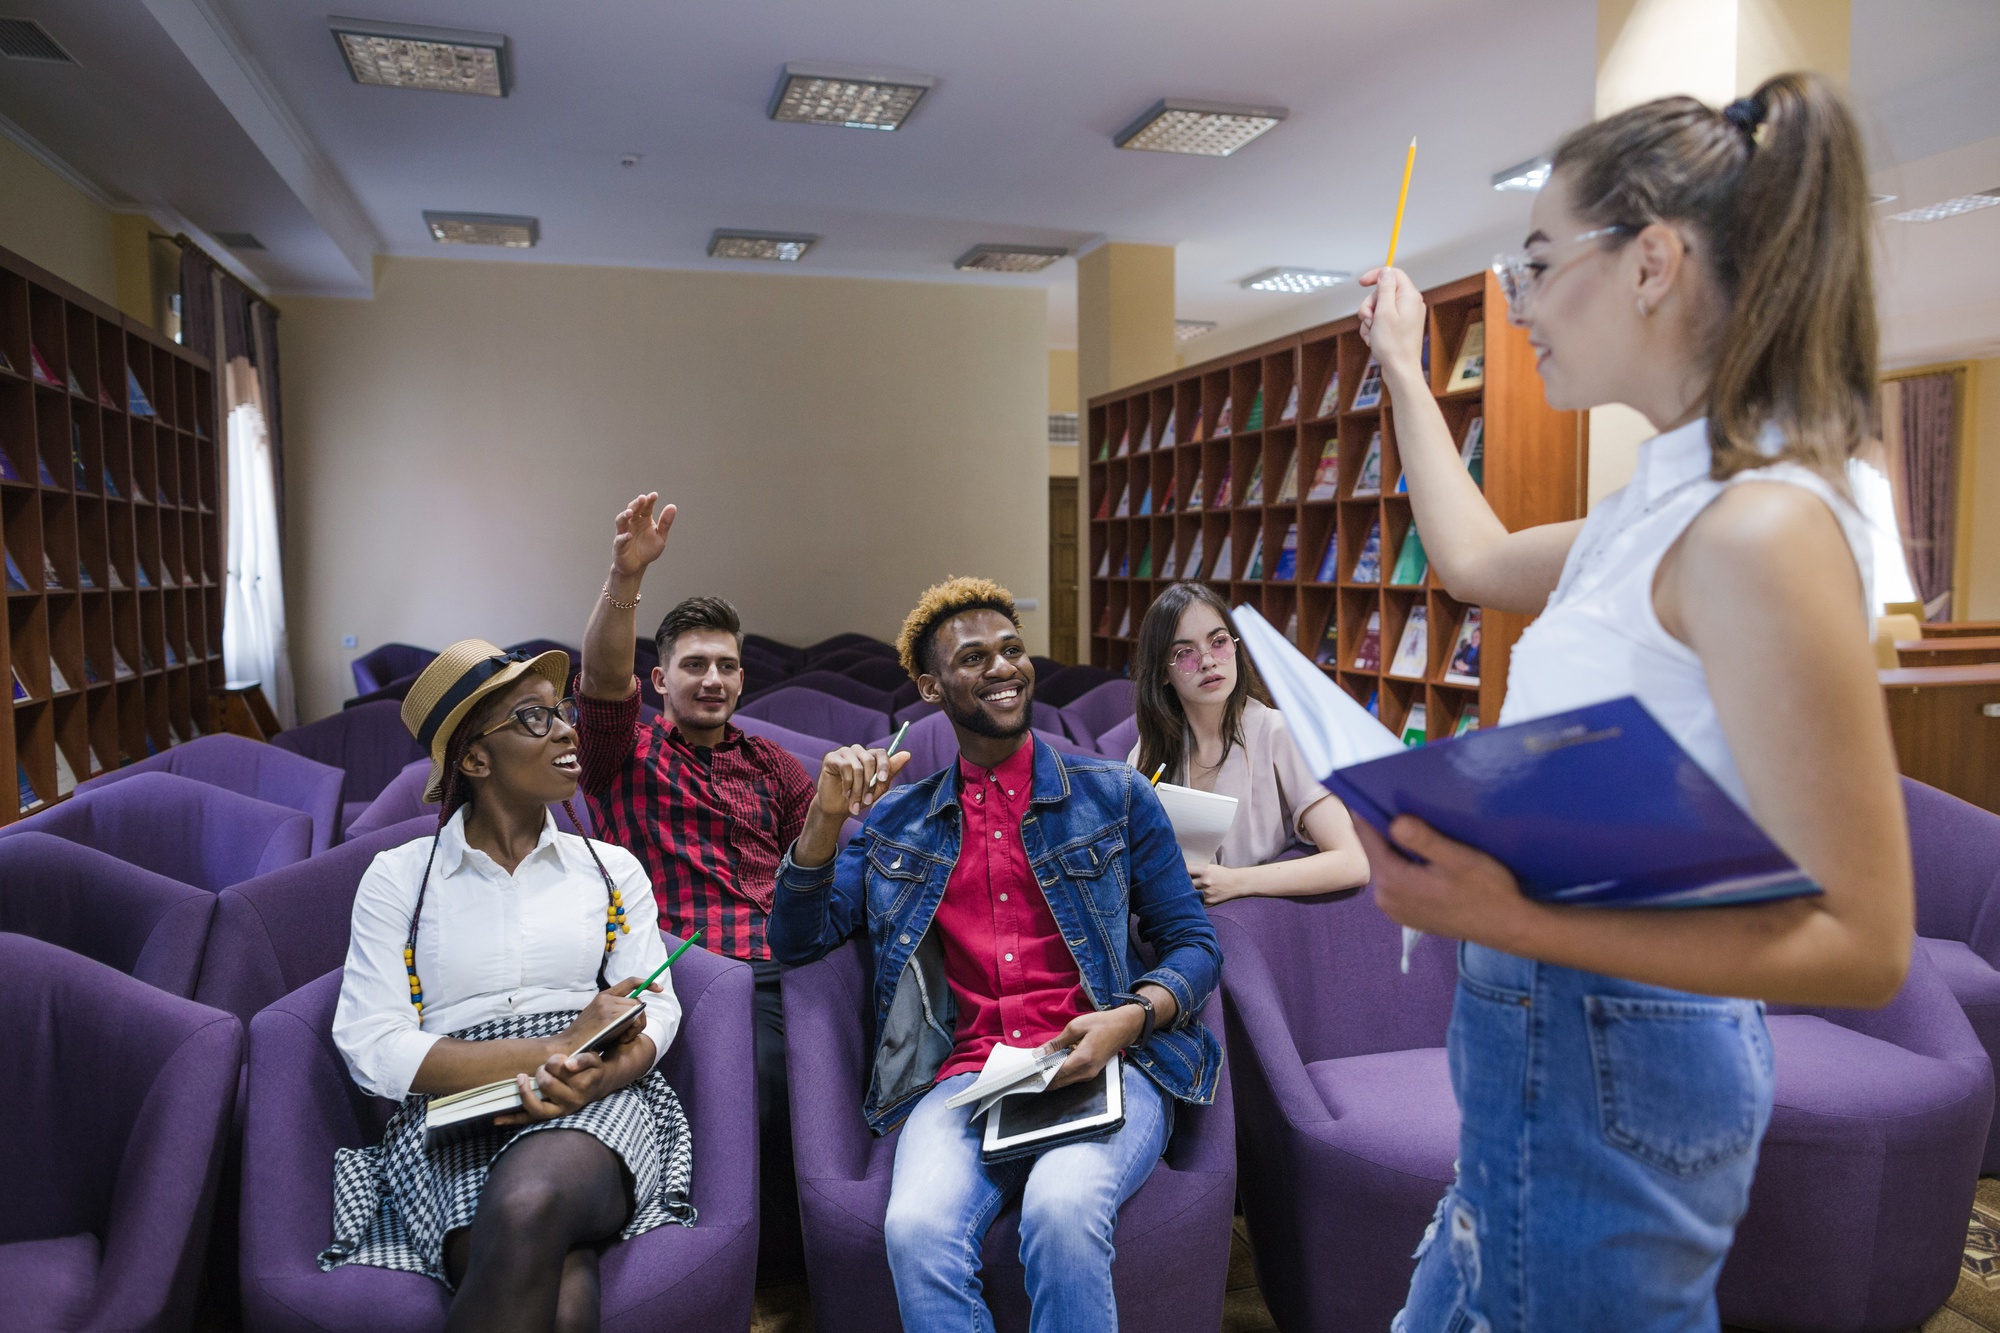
x=254 y=645
x=1920 y=435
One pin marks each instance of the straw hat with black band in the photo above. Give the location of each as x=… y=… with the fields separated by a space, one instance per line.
x=455 y=681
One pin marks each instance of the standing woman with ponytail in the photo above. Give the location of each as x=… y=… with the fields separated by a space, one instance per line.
x=482 y=954
x=1712 y=271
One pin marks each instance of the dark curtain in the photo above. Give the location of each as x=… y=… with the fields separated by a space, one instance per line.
x=250 y=330
x=1930 y=485
x=197 y=299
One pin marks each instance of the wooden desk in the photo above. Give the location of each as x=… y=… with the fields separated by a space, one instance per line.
x=1961 y=629
x=1946 y=723
x=1952 y=650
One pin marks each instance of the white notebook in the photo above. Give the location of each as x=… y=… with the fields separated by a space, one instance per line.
x=1201 y=820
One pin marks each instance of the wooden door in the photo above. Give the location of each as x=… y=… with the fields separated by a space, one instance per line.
x=1062 y=569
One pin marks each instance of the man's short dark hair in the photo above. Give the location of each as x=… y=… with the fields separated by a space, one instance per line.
x=693 y=613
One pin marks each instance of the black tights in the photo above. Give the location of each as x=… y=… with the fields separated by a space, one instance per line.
x=528 y=1262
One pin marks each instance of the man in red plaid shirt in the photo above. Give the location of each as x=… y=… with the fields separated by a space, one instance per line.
x=708 y=809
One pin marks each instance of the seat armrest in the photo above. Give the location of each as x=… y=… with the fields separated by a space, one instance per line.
x=827 y=1054
x=1258 y=1026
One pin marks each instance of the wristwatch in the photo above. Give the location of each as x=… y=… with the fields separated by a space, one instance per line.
x=1127 y=997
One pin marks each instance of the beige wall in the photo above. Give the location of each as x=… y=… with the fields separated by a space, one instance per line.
x=457 y=448
x=47 y=221
x=1979 y=597
x=1062 y=398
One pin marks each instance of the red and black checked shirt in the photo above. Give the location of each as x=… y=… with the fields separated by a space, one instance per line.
x=710 y=834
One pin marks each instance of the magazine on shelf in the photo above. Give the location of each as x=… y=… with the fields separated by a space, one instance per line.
x=75 y=384
x=1462 y=667
x=1468 y=720
x=58 y=682
x=1124 y=509
x=1167 y=500
x=1329 y=401
x=8 y=472
x=1125 y=625
x=1146 y=501
x=1104 y=564
x=1222 y=426
x=1194 y=490
x=1411 y=563
x=65 y=775
x=1326 y=474
x=1368 y=565
x=1292 y=626
x=1374 y=704
x=1288 y=486
x=136 y=401
x=104 y=399
x=1329 y=564
x=145 y=579
x=1415 y=725
x=117 y=580
x=96 y=764
x=1125 y=565
x=1291 y=411
x=111 y=490
x=1413 y=650
x=1253 y=490
x=1369 y=482
x=48 y=477
x=50 y=579
x=16 y=580
x=5 y=364
x=1222 y=488
x=40 y=366
x=120 y=668
x=1370 y=393
x=1170 y=567
x=1473 y=451
x=1368 y=653
x=1469 y=370
x=1254 y=569
x=1225 y=564
x=1125 y=443
x=1145 y=570
x=29 y=801
x=1255 y=421
x=1329 y=644
x=21 y=694
x=90 y=676
x=1287 y=567
x=1194 y=556
x=1166 y=440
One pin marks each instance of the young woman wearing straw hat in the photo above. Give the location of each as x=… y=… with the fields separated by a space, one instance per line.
x=480 y=954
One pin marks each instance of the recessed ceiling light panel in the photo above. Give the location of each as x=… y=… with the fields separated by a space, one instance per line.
x=772 y=245
x=1950 y=208
x=1205 y=129
x=1010 y=258
x=1185 y=329
x=1294 y=280
x=819 y=95
x=1527 y=177
x=515 y=233
x=396 y=55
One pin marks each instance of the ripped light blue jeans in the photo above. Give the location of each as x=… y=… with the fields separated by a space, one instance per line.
x=1609 y=1135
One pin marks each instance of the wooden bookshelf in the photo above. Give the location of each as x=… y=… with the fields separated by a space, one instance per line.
x=112 y=520
x=1533 y=473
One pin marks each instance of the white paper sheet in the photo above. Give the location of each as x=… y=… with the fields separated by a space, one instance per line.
x=1201 y=820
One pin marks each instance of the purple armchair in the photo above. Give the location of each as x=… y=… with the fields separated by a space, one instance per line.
x=147 y=926
x=788 y=658
x=864 y=642
x=302 y=1106
x=206 y=836
x=1076 y=681
x=275 y=933
x=933 y=744
x=1172 y=1237
x=403 y=800
x=1098 y=712
x=1348 y=1126
x=112 y=1177
x=882 y=673
x=392 y=661
x=808 y=750
x=1118 y=742
x=816 y=714
x=1956 y=848
x=839 y=686
x=368 y=743
x=249 y=768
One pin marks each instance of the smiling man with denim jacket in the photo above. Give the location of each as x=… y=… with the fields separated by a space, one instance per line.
x=998 y=896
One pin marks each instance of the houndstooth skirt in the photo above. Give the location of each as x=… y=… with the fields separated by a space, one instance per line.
x=394 y=1203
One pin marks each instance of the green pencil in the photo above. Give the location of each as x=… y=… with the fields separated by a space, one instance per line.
x=901 y=731
x=686 y=944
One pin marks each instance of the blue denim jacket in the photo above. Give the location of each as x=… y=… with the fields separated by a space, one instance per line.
x=1101 y=847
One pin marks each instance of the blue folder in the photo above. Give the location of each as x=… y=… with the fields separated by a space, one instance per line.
x=1597 y=806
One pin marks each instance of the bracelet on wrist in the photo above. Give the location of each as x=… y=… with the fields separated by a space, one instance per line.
x=1146 y=1029
x=632 y=605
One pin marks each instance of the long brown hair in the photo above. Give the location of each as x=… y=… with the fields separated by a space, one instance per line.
x=1163 y=727
x=1775 y=187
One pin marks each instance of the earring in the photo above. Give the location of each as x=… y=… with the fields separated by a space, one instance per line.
x=1644 y=310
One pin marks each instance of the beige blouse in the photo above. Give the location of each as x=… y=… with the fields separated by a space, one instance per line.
x=1272 y=786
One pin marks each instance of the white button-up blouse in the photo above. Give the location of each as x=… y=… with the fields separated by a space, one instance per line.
x=490 y=944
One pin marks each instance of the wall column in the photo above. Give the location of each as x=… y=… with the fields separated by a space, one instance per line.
x=1124 y=334
x=1716 y=50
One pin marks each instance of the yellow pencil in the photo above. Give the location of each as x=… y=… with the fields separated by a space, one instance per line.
x=1157 y=773
x=1396 y=232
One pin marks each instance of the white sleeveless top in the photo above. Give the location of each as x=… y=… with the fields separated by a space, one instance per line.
x=1600 y=638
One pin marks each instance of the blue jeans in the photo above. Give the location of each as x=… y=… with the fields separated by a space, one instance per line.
x=942 y=1199
x=1609 y=1134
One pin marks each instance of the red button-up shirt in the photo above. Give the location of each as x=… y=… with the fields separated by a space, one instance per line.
x=1013 y=977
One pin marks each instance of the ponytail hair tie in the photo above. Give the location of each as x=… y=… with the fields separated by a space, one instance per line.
x=1746 y=114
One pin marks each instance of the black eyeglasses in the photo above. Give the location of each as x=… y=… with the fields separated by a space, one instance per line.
x=535 y=719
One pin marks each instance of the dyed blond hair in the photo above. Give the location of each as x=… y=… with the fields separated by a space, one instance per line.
x=940 y=602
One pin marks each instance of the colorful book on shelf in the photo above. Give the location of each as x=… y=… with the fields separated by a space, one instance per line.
x=1288 y=486
x=1146 y=502
x=96 y=764
x=136 y=401
x=111 y=490
x=21 y=694
x=1416 y=725
x=1291 y=411
x=1468 y=720
x=151 y=749
x=1170 y=567
x=1369 y=482
x=1104 y=449
x=1469 y=370
x=42 y=467
x=1287 y=567
x=1166 y=440
x=1473 y=451
x=1255 y=421
x=1253 y=490
x=146 y=660
x=90 y=676
x=1142 y=441
x=1462 y=667
x=1194 y=491
x=1329 y=643
x=1255 y=568
x=1124 y=509
x=8 y=472
x=117 y=580
x=58 y=682
x=144 y=580
x=1125 y=624
x=1167 y=500
x=104 y=399
x=76 y=466
x=1124 y=443
x=1368 y=653
x=1411 y=563
x=1329 y=563
x=65 y=775
x=1222 y=488
x=1125 y=565
x=1104 y=623
x=166 y=576
x=1402 y=486
x=120 y=668
x=1225 y=564
x=1369 y=394
x=1104 y=564
x=43 y=372
x=174 y=658
x=1329 y=400
x=29 y=801
x=1222 y=426
x=75 y=385
x=1368 y=565
x=16 y=580
x=1292 y=624
x=50 y=579
x=1413 y=649
x=1194 y=556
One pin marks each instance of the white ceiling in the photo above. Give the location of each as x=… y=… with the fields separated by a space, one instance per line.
x=238 y=115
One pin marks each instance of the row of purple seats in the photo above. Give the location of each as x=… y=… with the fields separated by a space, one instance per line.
x=369 y=744
x=840 y=709
x=248 y=768
x=403 y=800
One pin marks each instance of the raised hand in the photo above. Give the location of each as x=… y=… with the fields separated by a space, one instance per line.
x=1392 y=319
x=853 y=778
x=641 y=537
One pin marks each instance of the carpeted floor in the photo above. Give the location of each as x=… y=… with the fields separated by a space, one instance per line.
x=1975 y=1306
